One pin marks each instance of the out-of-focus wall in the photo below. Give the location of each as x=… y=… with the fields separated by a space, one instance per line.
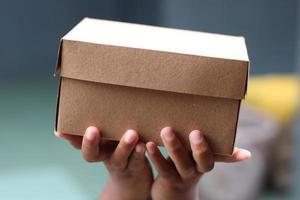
x=30 y=30
x=269 y=27
x=296 y=129
x=297 y=52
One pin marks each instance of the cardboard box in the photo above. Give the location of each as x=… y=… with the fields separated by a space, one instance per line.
x=118 y=76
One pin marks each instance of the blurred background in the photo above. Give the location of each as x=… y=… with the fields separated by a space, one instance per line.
x=34 y=164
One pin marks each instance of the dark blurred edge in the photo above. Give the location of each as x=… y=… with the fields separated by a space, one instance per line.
x=30 y=30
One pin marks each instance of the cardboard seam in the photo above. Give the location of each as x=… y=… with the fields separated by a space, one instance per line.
x=150 y=89
x=58 y=60
x=57 y=103
x=236 y=125
x=247 y=77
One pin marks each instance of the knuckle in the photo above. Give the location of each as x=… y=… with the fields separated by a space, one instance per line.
x=114 y=162
x=117 y=165
x=89 y=159
x=210 y=166
x=175 y=148
x=197 y=154
x=207 y=167
x=202 y=148
x=189 y=172
x=168 y=175
x=125 y=147
x=200 y=152
x=136 y=157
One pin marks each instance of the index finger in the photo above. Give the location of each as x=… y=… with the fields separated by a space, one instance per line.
x=178 y=153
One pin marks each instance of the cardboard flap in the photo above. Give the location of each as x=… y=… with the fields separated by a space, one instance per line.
x=58 y=61
x=124 y=56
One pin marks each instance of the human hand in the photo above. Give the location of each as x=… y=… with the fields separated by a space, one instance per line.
x=130 y=175
x=179 y=174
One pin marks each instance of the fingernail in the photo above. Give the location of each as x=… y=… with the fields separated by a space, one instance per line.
x=243 y=155
x=247 y=154
x=196 y=137
x=168 y=135
x=130 y=137
x=90 y=135
x=139 y=148
x=150 y=147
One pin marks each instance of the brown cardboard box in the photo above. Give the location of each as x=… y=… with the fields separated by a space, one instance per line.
x=117 y=76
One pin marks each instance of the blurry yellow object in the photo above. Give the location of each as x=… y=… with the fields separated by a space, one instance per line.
x=276 y=94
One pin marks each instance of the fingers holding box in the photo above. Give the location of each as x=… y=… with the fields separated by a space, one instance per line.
x=90 y=145
x=201 y=151
x=120 y=156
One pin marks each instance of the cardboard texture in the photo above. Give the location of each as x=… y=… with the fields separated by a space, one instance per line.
x=117 y=76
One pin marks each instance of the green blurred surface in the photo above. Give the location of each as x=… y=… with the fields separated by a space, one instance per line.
x=34 y=163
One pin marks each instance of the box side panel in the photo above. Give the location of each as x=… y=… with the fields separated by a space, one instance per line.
x=114 y=109
x=155 y=70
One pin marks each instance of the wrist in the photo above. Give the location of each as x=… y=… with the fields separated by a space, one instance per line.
x=175 y=193
x=117 y=189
